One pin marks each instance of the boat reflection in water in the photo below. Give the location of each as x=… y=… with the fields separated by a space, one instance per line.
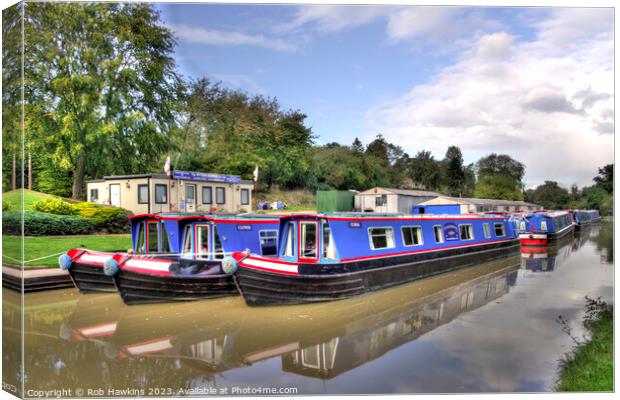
x=179 y=343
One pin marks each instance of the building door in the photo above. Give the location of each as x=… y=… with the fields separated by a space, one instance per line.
x=190 y=198
x=115 y=195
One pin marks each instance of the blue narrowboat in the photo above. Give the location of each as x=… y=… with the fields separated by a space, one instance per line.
x=543 y=228
x=334 y=256
x=170 y=253
x=585 y=217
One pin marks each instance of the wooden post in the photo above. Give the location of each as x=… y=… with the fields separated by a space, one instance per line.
x=14 y=173
x=29 y=171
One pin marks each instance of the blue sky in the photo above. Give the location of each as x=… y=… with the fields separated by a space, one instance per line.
x=509 y=80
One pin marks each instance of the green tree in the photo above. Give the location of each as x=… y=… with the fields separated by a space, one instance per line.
x=497 y=187
x=101 y=87
x=502 y=170
x=425 y=170
x=455 y=174
x=605 y=178
x=549 y=195
x=469 y=181
x=357 y=146
x=378 y=148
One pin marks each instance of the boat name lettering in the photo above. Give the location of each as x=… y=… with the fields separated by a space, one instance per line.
x=355 y=224
x=244 y=227
x=451 y=232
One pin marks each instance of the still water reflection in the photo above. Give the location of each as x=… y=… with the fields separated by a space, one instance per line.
x=486 y=328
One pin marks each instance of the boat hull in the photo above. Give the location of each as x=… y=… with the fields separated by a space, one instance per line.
x=263 y=288
x=86 y=272
x=545 y=239
x=141 y=288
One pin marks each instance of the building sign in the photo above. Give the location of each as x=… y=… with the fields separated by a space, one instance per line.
x=203 y=176
x=451 y=232
x=244 y=227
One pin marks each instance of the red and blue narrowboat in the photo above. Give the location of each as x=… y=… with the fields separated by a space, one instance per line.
x=335 y=256
x=545 y=227
x=86 y=266
x=585 y=217
x=198 y=270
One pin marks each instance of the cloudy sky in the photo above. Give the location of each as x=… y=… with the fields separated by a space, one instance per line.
x=534 y=83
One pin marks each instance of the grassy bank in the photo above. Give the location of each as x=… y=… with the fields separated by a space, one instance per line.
x=36 y=247
x=590 y=367
x=296 y=200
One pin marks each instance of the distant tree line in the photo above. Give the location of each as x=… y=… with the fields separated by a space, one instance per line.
x=102 y=96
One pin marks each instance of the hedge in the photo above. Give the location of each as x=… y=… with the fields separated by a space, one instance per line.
x=110 y=219
x=6 y=206
x=42 y=224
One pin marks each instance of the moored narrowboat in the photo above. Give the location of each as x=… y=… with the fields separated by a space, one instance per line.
x=585 y=217
x=197 y=271
x=543 y=228
x=335 y=256
x=86 y=267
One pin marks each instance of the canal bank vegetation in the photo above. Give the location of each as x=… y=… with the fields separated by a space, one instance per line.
x=589 y=368
x=115 y=120
x=43 y=251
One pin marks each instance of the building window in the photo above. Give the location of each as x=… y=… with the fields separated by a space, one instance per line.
x=438 y=230
x=94 y=195
x=207 y=195
x=412 y=235
x=143 y=194
x=487 y=230
x=467 y=232
x=245 y=197
x=220 y=195
x=381 y=200
x=381 y=238
x=161 y=193
x=499 y=229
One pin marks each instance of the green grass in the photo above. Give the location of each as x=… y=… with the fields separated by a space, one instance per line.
x=14 y=198
x=590 y=368
x=296 y=200
x=42 y=246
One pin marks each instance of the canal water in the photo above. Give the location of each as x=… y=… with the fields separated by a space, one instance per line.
x=489 y=328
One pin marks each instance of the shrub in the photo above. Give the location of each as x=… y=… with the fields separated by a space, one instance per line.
x=111 y=219
x=41 y=224
x=6 y=206
x=54 y=205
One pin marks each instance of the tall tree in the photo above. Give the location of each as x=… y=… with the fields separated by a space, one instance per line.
x=500 y=177
x=605 y=178
x=378 y=148
x=101 y=87
x=455 y=174
x=425 y=170
x=357 y=146
x=550 y=195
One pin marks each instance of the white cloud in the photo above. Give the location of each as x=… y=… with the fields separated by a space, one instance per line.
x=331 y=18
x=229 y=38
x=547 y=105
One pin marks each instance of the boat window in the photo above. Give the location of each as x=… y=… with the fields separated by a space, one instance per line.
x=165 y=240
x=187 y=242
x=152 y=237
x=329 y=249
x=412 y=235
x=218 y=249
x=202 y=241
x=141 y=243
x=438 y=233
x=487 y=230
x=543 y=225
x=467 y=232
x=289 y=246
x=268 y=242
x=308 y=239
x=381 y=238
x=499 y=229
